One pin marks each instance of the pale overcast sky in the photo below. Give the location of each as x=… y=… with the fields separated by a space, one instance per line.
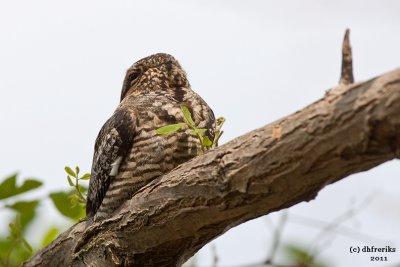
x=62 y=64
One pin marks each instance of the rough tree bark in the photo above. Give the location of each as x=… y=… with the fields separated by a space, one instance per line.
x=353 y=128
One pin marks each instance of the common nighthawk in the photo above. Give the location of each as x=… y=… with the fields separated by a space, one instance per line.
x=128 y=152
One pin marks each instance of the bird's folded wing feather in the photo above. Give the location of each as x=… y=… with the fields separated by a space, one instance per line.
x=112 y=145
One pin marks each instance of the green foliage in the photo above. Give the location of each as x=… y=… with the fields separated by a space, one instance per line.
x=63 y=202
x=187 y=115
x=77 y=196
x=170 y=128
x=50 y=235
x=14 y=248
x=9 y=188
x=72 y=203
x=26 y=210
x=16 y=236
x=301 y=257
x=218 y=131
x=205 y=141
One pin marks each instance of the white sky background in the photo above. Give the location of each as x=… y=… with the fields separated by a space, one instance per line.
x=62 y=66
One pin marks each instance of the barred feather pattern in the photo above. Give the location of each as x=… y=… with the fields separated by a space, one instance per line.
x=128 y=152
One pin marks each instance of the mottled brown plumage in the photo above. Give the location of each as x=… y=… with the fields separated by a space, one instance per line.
x=128 y=153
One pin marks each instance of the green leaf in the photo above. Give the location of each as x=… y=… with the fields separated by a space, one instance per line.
x=70 y=171
x=220 y=122
x=200 y=131
x=298 y=254
x=8 y=185
x=50 y=235
x=61 y=201
x=5 y=245
x=170 y=128
x=13 y=249
x=77 y=170
x=9 y=188
x=74 y=199
x=28 y=185
x=26 y=209
x=70 y=181
x=82 y=188
x=207 y=142
x=301 y=257
x=86 y=176
x=187 y=115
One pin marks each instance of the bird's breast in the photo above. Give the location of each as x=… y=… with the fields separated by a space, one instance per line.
x=153 y=155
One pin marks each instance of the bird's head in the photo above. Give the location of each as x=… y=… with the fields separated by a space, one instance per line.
x=154 y=73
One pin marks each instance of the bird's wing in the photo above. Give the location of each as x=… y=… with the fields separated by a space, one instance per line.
x=112 y=146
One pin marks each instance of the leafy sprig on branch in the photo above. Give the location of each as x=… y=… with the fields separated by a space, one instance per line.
x=78 y=196
x=205 y=142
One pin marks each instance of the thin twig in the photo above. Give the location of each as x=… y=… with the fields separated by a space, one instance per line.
x=347 y=61
x=336 y=223
x=341 y=230
x=214 y=255
x=277 y=237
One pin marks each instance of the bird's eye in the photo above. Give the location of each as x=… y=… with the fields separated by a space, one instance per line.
x=133 y=76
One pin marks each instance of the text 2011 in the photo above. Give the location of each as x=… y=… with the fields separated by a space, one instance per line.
x=379 y=259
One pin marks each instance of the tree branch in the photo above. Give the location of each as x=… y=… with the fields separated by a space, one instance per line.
x=352 y=129
x=346 y=76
